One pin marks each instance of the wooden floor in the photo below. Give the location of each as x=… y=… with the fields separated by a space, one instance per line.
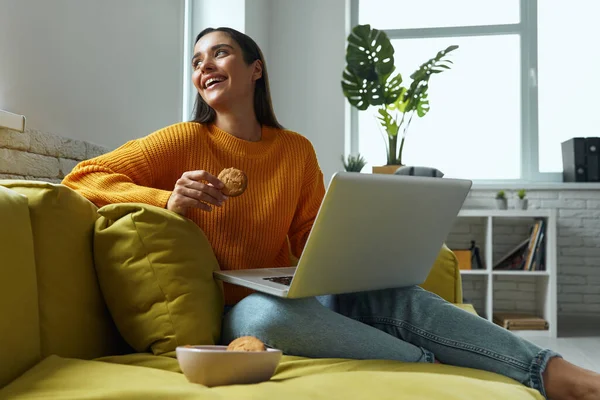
x=578 y=341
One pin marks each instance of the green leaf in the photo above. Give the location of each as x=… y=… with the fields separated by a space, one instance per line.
x=400 y=103
x=370 y=53
x=422 y=108
x=416 y=94
x=387 y=122
x=361 y=93
x=421 y=73
x=393 y=89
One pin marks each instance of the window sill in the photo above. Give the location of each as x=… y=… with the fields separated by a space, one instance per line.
x=536 y=185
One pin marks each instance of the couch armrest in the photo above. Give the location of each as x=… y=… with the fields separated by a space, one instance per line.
x=444 y=278
x=19 y=326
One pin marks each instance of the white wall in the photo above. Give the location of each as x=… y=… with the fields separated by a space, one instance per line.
x=218 y=13
x=307 y=53
x=251 y=17
x=209 y=14
x=258 y=25
x=99 y=71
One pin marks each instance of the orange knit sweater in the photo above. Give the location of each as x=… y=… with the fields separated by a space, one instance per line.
x=285 y=189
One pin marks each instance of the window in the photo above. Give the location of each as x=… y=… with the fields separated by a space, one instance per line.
x=492 y=117
x=568 y=76
x=402 y=14
x=473 y=126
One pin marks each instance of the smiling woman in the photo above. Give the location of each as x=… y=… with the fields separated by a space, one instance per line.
x=225 y=46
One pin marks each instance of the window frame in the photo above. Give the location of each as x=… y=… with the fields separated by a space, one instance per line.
x=527 y=31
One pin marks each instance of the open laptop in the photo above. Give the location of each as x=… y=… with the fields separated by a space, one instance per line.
x=372 y=231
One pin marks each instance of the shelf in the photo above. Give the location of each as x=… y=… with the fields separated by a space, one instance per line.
x=510 y=273
x=490 y=225
x=521 y=273
x=533 y=213
x=529 y=334
x=474 y=272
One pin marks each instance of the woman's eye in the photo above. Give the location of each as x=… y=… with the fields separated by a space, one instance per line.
x=220 y=52
x=196 y=64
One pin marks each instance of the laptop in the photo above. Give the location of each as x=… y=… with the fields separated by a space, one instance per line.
x=372 y=231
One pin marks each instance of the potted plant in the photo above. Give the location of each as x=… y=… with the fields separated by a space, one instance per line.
x=369 y=80
x=501 y=202
x=354 y=163
x=522 y=201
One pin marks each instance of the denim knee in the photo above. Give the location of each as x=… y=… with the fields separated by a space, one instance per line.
x=253 y=316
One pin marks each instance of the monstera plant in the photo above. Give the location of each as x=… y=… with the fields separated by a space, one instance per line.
x=369 y=80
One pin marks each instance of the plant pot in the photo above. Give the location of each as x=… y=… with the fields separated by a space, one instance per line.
x=501 y=204
x=386 y=169
x=522 y=204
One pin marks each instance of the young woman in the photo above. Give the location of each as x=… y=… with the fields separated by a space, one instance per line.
x=234 y=125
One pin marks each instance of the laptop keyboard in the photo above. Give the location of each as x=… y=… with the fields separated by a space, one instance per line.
x=284 y=280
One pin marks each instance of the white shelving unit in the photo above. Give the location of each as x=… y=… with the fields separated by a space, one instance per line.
x=546 y=296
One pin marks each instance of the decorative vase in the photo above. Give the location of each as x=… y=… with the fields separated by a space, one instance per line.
x=501 y=204
x=522 y=204
x=386 y=169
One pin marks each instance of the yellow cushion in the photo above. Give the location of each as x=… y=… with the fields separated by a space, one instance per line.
x=19 y=322
x=467 y=307
x=295 y=378
x=74 y=321
x=444 y=278
x=155 y=269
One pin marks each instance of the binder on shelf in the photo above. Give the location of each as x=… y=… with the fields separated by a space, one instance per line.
x=464 y=258
x=469 y=258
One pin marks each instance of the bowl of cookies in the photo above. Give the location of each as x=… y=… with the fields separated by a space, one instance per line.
x=246 y=360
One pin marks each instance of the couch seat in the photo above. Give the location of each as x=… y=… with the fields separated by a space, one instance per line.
x=145 y=376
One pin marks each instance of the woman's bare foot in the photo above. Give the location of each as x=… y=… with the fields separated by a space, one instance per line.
x=563 y=380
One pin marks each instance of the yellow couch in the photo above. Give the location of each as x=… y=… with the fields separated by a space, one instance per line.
x=58 y=340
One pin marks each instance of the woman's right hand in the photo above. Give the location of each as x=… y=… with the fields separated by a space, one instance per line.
x=196 y=189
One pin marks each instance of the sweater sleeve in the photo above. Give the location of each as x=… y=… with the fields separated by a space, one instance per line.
x=121 y=176
x=311 y=196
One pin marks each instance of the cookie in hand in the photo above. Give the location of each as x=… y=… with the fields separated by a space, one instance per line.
x=235 y=181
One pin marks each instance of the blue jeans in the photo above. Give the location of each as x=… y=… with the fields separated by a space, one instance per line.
x=408 y=324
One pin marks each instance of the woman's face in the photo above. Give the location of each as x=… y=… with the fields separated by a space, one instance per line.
x=220 y=73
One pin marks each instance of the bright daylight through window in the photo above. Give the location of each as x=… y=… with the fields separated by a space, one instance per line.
x=503 y=109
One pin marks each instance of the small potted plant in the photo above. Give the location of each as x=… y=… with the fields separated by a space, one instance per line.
x=522 y=201
x=501 y=202
x=354 y=163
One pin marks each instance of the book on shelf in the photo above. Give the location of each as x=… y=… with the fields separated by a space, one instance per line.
x=528 y=255
x=539 y=255
x=520 y=321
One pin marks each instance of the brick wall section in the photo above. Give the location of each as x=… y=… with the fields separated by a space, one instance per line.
x=578 y=252
x=37 y=155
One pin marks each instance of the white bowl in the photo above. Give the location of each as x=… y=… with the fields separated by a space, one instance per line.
x=215 y=366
